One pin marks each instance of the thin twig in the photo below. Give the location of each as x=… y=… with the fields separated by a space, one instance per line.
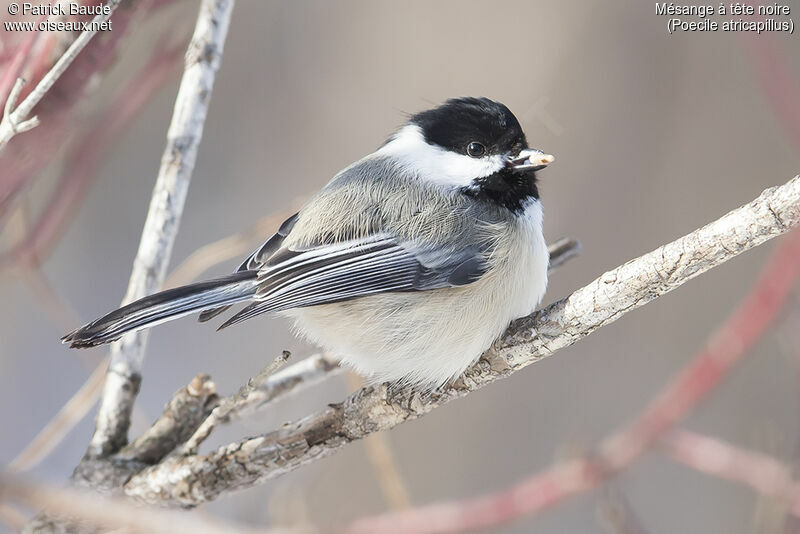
x=12 y=68
x=383 y=461
x=80 y=168
x=229 y=247
x=30 y=154
x=616 y=515
x=763 y=474
x=293 y=379
x=203 y=58
x=67 y=417
x=12 y=518
x=561 y=251
x=109 y=513
x=60 y=313
x=184 y=413
x=16 y=118
x=227 y=404
x=528 y=340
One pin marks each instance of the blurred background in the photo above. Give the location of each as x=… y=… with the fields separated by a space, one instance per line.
x=654 y=135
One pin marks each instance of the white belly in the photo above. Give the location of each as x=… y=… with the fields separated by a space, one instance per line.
x=426 y=338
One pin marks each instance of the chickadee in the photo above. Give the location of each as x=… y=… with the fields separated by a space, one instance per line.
x=407 y=265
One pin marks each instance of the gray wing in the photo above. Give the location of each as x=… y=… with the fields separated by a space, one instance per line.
x=256 y=259
x=340 y=271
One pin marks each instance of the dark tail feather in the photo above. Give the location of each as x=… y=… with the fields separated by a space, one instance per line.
x=164 y=306
x=210 y=314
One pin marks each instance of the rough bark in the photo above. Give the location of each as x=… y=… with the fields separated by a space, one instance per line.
x=192 y=480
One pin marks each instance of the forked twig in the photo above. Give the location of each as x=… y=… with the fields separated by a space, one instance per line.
x=227 y=405
x=16 y=119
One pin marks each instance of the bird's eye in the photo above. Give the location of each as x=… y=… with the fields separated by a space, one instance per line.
x=475 y=149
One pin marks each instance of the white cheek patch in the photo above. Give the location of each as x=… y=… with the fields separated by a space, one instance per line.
x=435 y=164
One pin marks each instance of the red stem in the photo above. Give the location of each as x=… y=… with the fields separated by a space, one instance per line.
x=727 y=346
x=762 y=473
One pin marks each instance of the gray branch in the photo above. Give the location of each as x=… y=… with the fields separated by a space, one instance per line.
x=189 y=407
x=106 y=465
x=187 y=411
x=203 y=58
x=226 y=406
x=192 y=480
x=93 y=513
x=295 y=378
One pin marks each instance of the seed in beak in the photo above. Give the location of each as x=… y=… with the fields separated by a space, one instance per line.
x=541 y=159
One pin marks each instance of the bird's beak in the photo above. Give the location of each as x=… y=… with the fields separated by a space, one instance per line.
x=529 y=159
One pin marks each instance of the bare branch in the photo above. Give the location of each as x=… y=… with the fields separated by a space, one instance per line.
x=16 y=120
x=186 y=411
x=81 y=166
x=561 y=251
x=616 y=514
x=195 y=479
x=727 y=346
x=295 y=378
x=227 y=404
x=383 y=461
x=12 y=518
x=67 y=417
x=762 y=473
x=230 y=247
x=203 y=58
x=87 y=509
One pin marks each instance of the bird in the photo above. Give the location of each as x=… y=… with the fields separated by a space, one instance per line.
x=407 y=265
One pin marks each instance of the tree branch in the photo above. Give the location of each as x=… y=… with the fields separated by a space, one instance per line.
x=67 y=417
x=189 y=413
x=90 y=510
x=295 y=378
x=184 y=413
x=764 y=474
x=16 y=120
x=195 y=479
x=189 y=407
x=727 y=346
x=226 y=406
x=203 y=58
x=561 y=251
x=230 y=247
